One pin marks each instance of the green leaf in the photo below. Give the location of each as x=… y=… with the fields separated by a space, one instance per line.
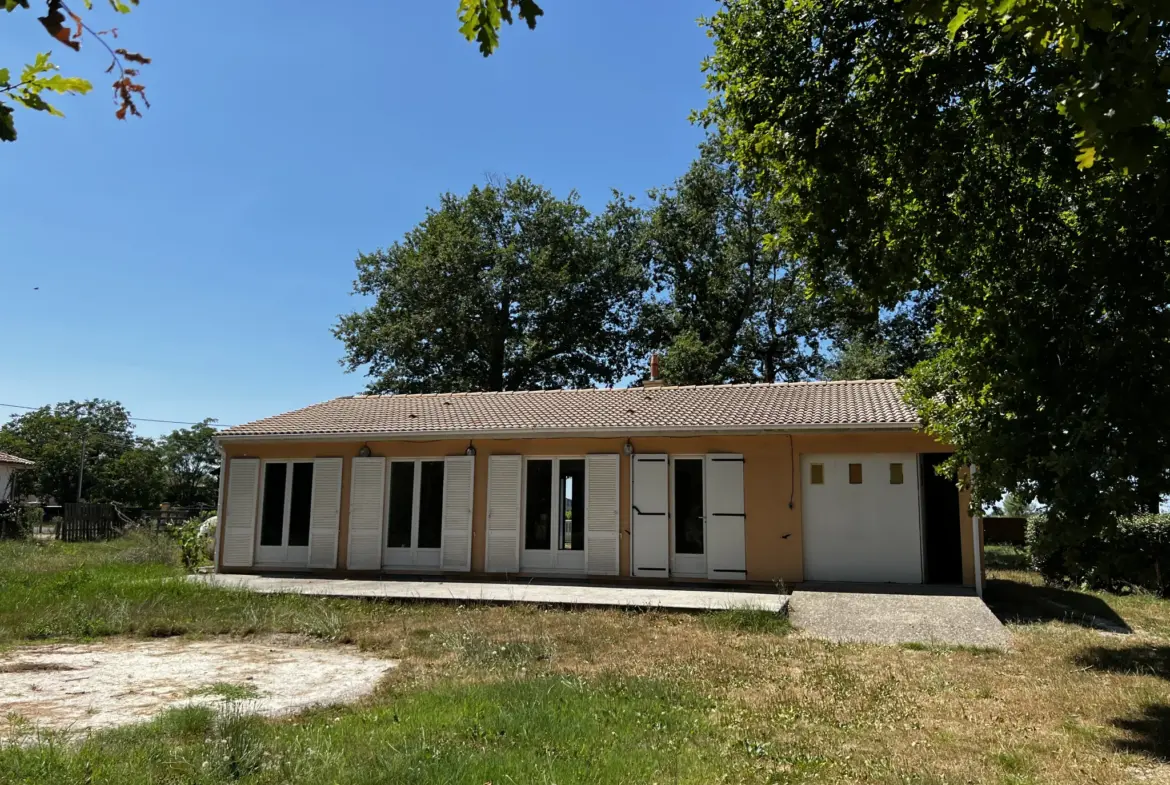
x=7 y=127
x=959 y=20
x=10 y=5
x=66 y=84
x=1087 y=157
x=120 y=7
x=3 y=76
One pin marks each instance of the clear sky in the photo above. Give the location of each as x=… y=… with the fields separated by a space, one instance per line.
x=191 y=263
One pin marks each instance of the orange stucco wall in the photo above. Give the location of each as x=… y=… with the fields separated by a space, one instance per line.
x=771 y=479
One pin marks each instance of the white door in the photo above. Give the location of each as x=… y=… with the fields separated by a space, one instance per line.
x=726 y=546
x=861 y=518
x=414 y=519
x=286 y=503
x=650 y=516
x=553 y=536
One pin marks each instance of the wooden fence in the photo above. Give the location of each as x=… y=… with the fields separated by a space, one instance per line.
x=88 y=522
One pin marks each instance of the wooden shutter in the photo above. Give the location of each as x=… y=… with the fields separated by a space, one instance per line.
x=601 y=514
x=458 y=492
x=503 y=514
x=325 y=513
x=651 y=516
x=367 y=492
x=726 y=546
x=239 y=529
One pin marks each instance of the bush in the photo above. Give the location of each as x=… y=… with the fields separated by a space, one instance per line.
x=14 y=524
x=1116 y=554
x=194 y=539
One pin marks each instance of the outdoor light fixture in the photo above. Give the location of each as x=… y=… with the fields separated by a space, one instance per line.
x=364 y=451
x=628 y=448
x=470 y=451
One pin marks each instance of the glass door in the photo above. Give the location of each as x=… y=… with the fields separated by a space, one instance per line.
x=688 y=540
x=286 y=495
x=554 y=515
x=414 y=519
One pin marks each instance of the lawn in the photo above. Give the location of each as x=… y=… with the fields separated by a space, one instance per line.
x=519 y=694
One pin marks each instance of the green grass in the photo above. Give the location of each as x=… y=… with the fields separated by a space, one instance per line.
x=524 y=694
x=226 y=690
x=546 y=729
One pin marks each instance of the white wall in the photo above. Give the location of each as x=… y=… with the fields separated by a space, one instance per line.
x=5 y=480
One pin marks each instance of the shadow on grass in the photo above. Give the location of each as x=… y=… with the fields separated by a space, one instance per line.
x=1149 y=732
x=1025 y=603
x=1132 y=661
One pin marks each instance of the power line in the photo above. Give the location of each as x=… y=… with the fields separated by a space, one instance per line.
x=135 y=419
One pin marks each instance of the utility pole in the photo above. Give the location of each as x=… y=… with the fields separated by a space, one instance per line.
x=81 y=467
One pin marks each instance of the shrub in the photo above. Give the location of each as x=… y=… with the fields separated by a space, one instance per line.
x=14 y=524
x=192 y=538
x=1115 y=554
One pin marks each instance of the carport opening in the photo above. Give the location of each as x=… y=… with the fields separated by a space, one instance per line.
x=942 y=538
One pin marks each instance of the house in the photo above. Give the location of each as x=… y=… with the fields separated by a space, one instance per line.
x=809 y=481
x=9 y=465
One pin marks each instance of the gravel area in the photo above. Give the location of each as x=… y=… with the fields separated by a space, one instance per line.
x=102 y=685
x=897 y=618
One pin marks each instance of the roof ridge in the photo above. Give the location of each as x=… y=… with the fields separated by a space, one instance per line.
x=470 y=393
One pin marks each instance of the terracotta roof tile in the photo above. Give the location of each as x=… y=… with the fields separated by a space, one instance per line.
x=730 y=407
x=6 y=457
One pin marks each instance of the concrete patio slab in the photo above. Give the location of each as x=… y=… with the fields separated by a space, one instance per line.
x=847 y=617
x=543 y=594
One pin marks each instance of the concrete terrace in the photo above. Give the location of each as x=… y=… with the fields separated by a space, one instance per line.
x=536 y=593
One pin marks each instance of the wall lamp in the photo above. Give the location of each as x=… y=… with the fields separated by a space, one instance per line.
x=628 y=448
x=470 y=451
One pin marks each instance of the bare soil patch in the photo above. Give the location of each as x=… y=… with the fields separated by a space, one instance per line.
x=82 y=687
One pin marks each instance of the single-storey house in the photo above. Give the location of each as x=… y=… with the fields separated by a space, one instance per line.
x=9 y=465
x=810 y=481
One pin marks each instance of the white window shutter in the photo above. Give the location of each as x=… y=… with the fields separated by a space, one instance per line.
x=458 y=493
x=367 y=493
x=239 y=529
x=503 y=514
x=726 y=546
x=325 y=513
x=601 y=514
x=650 y=515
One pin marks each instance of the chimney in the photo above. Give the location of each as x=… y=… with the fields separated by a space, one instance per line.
x=653 y=381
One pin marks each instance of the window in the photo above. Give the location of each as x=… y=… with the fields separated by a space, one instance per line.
x=272 y=515
x=817 y=474
x=430 y=505
x=300 y=505
x=896 y=474
x=538 y=505
x=401 y=515
x=688 y=505
x=571 y=500
x=415 y=512
x=286 y=504
x=855 y=474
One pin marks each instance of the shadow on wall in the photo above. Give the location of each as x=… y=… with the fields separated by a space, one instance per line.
x=1025 y=603
x=1133 y=661
x=1149 y=732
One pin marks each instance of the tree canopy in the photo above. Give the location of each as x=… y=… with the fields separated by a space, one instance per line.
x=65 y=26
x=724 y=307
x=96 y=439
x=907 y=159
x=504 y=288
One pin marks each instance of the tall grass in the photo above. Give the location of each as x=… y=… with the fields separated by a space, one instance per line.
x=542 y=730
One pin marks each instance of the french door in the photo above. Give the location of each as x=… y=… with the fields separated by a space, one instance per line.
x=414 y=519
x=708 y=534
x=553 y=537
x=286 y=494
x=689 y=537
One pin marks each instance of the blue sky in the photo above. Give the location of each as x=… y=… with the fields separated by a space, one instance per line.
x=190 y=264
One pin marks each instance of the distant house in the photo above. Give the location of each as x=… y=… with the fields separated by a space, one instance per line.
x=9 y=465
x=811 y=481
